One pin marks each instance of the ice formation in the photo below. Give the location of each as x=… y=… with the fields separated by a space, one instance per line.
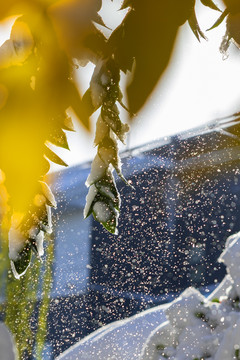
x=23 y=240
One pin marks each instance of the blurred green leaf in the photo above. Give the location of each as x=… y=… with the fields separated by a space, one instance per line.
x=98 y=19
x=59 y=138
x=24 y=259
x=219 y=20
x=53 y=157
x=195 y=27
x=126 y=4
x=210 y=4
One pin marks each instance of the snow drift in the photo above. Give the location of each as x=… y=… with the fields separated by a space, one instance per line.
x=191 y=327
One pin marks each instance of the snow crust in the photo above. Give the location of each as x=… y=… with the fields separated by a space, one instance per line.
x=202 y=328
x=192 y=327
x=98 y=170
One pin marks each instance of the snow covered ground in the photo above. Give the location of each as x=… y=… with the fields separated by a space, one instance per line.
x=191 y=327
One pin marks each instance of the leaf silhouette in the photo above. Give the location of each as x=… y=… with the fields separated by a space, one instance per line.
x=219 y=20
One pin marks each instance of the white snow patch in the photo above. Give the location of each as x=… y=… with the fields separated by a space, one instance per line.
x=102 y=211
x=89 y=199
x=39 y=243
x=231 y=258
x=47 y=192
x=102 y=130
x=181 y=312
x=48 y=228
x=98 y=170
x=196 y=327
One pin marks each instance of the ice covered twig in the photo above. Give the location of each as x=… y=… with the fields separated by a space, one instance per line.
x=103 y=200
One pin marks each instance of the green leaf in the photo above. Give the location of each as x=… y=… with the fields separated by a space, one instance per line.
x=219 y=20
x=78 y=107
x=111 y=224
x=47 y=192
x=107 y=188
x=87 y=103
x=237 y=354
x=45 y=166
x=111 y=117
x=98 y=19
x=67 y=124
x=34 y=246
x=215 y=300
x=201 y=315
x=210 y=4
x=59 y=138
x=53 y=157
x=24 y=258
x=195 y=27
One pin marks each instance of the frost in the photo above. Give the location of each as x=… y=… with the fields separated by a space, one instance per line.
x=48 y=227
x=103 y=130
x=108 y=155
x=48 y=194
x=39 y=243
x=98 y=170
x=225 y=46
x=14 y=271
x=105 y=190
x=89 y=199
x=102 y=212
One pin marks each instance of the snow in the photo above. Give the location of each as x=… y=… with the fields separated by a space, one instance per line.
x=98 y=170
x=231 y=258
x=7 y=348
x=39 y=243
x=191 y=327
x=47 y=192
x=102 y=211
x=48 y=227
x=122 y=340
x=89 y=199
x=103 y=130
